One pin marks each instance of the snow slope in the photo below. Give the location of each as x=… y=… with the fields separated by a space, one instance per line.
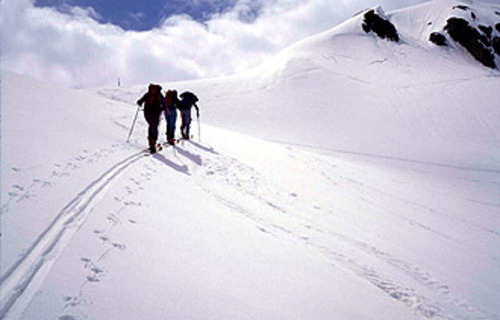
x=380 y=200
x=349 y=91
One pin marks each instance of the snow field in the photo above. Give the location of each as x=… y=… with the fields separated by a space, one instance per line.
x=350 y=178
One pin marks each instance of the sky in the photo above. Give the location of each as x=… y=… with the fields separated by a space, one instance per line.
x=143 y=15
x=78 y=43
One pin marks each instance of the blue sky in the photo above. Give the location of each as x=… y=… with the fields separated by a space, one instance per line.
x=141 y=15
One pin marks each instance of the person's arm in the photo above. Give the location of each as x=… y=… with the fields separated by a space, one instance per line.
x=141 y=100
x=197 y=110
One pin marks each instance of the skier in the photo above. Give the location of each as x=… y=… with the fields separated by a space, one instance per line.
x=171 y=104
x=153 y=105
x=189 y=100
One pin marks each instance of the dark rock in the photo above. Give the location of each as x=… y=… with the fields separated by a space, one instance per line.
x=381 y=26
x=497 y=26
x=486 y=30
x=471 y=39
x=461 y=7
x=496 y=45
x=438 y=39
x=473 y=15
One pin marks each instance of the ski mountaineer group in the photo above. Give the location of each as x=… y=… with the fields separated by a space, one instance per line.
x=155 y=103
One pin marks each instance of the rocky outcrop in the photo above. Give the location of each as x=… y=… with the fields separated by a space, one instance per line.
x=380 y=25
x=475 y=41
x=468 y=26
x=471 y=27
x=438 y=39
x=487 y=30
x=496 y=45
x=461 y=7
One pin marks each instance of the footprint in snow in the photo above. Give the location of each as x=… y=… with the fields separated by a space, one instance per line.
x=132 y=203
x=87 y=262
x=135 y=181
x=113 y=219
x=119 y=246
x=96 y=270
x=44 y=183
x=93 y=278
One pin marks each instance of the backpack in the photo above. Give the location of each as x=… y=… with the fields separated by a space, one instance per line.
x=188 y=99
x=170 y=99
x=154 y=101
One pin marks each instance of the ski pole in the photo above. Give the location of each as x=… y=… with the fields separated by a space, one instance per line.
x=199 y=130
x=133 y=123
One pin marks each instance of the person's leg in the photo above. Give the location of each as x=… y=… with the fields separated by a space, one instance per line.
x=182 y=124
x=153 y=122
x=168 y=124
x=188 y=123
x=171 y=127
x=153 y=128
x=151 y=143
x=173 y=120
x=185 y=123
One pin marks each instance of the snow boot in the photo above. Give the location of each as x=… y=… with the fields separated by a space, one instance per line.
x=152 y=146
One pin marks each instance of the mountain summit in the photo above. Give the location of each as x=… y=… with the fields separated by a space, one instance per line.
x=470 y=25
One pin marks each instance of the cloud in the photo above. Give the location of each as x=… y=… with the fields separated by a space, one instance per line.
x=87 y=12
x=74 y=49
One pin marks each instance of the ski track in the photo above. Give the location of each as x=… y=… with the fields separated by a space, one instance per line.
x=425 y=295
x=21 y=281
x=62 y=169
x=128 y=196
x=241 y=188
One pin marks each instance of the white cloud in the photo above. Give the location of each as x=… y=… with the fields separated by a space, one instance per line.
x=75 y=50
x=87 y=12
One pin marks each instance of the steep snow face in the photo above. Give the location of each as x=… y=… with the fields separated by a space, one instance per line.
x=350 y=91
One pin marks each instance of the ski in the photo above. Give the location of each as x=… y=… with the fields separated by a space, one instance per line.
x=159 y=147
x=166 y=143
